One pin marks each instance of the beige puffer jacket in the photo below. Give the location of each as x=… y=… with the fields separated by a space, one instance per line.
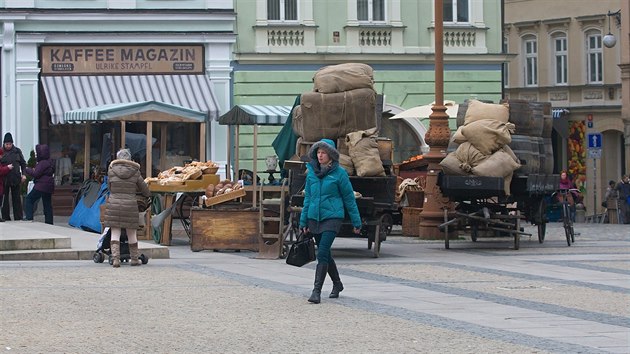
x=124 y=181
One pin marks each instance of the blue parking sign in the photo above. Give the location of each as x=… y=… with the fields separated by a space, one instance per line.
x=595 y=141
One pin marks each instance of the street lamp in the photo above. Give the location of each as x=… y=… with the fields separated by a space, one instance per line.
x=610 y=40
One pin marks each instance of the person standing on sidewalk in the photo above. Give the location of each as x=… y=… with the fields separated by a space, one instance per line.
x=121 y=209
x=327 y=192
x=623 y=187
x=12 y=182
x=44 y=184
x=4 y=170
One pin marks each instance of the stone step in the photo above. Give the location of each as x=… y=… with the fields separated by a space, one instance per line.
x=35 y=243
x=67 y=254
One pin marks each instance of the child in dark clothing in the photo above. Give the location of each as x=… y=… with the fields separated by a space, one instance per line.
x=4 y=170
x=44 y=184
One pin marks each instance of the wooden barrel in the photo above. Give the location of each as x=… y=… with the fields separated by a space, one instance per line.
x=527 y=152
x=537 y=118
x=521 y=116
x=545 y=149
x=547 y=119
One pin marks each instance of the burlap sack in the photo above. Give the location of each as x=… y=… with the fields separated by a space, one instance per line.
x=458 y=137
x=478 y=110
x=345 y=161
x=363 y=149
x=297 y=122
x=343 y=77
x=450 y=165
x=333 y=115
x=500 y=164
x=488 y=135
x=469 y=156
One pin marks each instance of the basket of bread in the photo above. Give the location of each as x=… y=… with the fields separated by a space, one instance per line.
x=192 y=176
x=222 y=192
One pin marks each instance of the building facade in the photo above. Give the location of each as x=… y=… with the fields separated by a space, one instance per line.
x=281 y=43
x=164 y=61
x=562 y=57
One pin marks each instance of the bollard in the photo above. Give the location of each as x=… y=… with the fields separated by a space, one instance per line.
x=580 y=213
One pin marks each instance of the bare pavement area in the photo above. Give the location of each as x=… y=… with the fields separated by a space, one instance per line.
x=418 y=297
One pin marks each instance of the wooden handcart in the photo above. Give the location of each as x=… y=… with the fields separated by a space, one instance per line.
x=483 y=206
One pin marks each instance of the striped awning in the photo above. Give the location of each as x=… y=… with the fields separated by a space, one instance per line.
x=256 y=114
x=559 y=112
x=74 y=99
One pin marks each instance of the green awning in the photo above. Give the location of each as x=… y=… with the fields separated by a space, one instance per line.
x=244 y=114
x=116 y=110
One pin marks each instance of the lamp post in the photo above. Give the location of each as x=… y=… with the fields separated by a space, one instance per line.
x=437 y=137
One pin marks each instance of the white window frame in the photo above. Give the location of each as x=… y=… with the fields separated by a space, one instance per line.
x=282 y=8
x=370 y=8
x=594 y=58
x=530 y=61
x=454 y=7
x=560 y=58
x=506 y=76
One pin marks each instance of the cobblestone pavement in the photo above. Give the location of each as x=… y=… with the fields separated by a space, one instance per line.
x=477 y=297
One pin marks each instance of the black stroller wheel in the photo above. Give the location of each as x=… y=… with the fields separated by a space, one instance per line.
x=98 y=257
x=144 y=259
x=111 y=260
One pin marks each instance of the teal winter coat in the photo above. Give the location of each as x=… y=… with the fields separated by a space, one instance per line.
x=326 y=197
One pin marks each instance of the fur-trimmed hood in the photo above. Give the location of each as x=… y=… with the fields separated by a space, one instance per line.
x=124 y=168
x=327 y=145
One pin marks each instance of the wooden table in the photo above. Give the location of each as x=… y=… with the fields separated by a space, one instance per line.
x=169 y=192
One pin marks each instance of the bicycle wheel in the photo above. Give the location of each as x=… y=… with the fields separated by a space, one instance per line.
x=571 y=231
x=566 y=222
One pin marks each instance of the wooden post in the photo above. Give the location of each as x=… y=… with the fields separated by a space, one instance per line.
x=254 y=165
x=202 y=142
x=163 y=139
x=122 y=134
x=236 y=157
x=86 y=153
x=228 y=175
x=149 y=147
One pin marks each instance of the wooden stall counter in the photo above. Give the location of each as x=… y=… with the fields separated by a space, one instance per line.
x=228 y=227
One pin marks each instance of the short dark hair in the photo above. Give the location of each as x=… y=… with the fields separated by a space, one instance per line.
x=611 y=183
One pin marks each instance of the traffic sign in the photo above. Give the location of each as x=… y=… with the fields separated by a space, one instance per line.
x=594 y=153
x=589 y=124
x=595 y=141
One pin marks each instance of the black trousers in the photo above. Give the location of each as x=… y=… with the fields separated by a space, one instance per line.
x=12 y=192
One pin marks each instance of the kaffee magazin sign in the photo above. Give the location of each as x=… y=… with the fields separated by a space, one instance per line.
x=121 y=59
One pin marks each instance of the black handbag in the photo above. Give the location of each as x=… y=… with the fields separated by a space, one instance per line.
x=302 y=251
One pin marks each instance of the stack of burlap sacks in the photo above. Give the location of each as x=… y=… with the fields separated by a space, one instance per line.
x=341 y=107
x=483 y=144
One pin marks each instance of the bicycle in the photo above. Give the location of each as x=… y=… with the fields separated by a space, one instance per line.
x=566 y=197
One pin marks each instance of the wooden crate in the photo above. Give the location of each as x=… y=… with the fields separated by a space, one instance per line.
x=239 y=193
x=197 y=185
x=228 y=229
x=411 y=221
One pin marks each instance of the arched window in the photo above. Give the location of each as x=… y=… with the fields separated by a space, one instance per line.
x=594 y=61
x=530 y=61
x=560 y=58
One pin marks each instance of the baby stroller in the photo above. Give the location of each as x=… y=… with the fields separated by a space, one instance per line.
x=103 y=248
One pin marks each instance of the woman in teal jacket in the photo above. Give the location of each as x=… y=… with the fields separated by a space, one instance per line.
x=326 y=192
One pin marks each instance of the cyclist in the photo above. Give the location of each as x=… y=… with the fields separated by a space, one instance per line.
x=565 y=185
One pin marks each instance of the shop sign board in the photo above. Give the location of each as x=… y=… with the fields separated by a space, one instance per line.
x=118 y=59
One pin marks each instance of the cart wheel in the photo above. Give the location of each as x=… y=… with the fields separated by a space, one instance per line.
x=542 y=229
x=98 y=257
x=378 y=231
x=284 y=251
x=474 y=231
x=387 y=221
x=144 y=259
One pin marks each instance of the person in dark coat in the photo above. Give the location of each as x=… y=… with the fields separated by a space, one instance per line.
x=12 y=182
x=327 y=193
x=623 y=189
x=44 y=184
x=121 y=210
x=4 y=170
